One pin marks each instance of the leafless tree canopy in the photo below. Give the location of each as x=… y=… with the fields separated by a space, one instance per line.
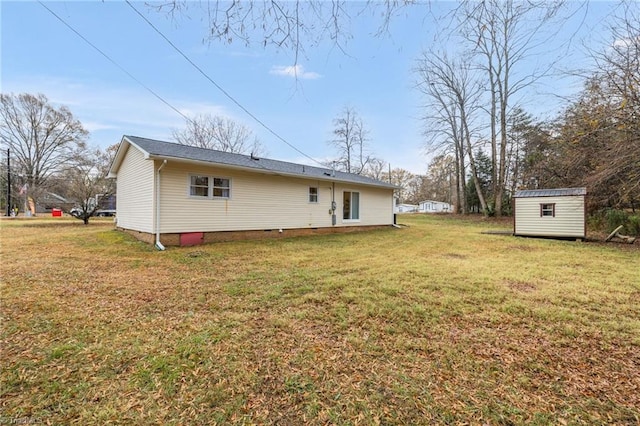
x=43 y=140
x=351 y=142
x=472 y=92
x=219 y=133
x=87 y=180
x=452 y=92
x=293 y=25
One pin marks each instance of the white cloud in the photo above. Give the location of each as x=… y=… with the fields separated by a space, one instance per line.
x=94 y=126
x=296 y=71
x=626 y=42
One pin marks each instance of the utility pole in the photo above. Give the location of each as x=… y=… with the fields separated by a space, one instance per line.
x=8 y=183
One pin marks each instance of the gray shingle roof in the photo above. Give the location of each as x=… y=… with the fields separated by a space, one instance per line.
x=558 y=192
x=169 y=150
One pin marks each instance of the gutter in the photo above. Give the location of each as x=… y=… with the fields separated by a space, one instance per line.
x=159 y=245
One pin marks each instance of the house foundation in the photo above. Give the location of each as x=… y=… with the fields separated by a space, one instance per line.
x=197 y=238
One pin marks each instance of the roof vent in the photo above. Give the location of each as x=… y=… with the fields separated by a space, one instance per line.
x=253 y=157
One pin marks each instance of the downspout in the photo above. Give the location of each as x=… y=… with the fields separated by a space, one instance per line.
x=159 y=245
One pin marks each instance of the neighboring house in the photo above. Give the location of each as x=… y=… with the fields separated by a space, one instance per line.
x=558 y=213
x=183 y=195
x=430 y=206
x=49 y=200
x=405 y=208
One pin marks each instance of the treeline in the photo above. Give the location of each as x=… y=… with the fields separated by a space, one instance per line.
x=493 y=146
x=47 y=162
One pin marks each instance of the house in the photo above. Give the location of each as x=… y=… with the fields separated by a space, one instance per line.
x=49 y=201
x=405 y=208
x=558 y=213
x=182 y=195
x=430 y=206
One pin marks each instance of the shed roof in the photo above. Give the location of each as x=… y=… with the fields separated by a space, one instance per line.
x=558 y=192
x=161 y=150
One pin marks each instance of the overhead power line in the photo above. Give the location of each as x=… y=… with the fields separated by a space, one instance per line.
x=231 y=98
x=114 y=62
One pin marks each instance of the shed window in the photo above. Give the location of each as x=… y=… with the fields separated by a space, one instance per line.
x=313 y=194
x=548 y=210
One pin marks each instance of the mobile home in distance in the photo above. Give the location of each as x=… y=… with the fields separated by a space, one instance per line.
x=555 y=213
x=430 y=206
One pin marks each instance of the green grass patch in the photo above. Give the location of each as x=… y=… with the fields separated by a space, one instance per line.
x=433 y=323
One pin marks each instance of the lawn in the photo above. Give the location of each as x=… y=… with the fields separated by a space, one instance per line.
x=434 y=323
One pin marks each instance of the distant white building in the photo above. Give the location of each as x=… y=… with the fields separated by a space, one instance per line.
x=405 y=208
x=430 y=206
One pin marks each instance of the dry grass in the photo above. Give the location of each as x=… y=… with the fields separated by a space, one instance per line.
x=433 y=323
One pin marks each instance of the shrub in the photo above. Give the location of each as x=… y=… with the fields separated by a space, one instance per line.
x=633 y=225
x=615 y=218
x=596 y=221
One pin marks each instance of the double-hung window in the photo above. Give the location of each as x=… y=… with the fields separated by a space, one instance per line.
x=209 y=186
x=350 y=205
x=313 y=194
x=199 y=186
x=220 y=187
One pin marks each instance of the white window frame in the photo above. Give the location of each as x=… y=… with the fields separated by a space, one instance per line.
x=350 y=218
x=211 y=187
x=312 y=195
x=547 y=209
x=223 y=188
x=193 y=186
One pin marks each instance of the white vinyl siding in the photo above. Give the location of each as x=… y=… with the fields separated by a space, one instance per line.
x=534 y=216
x=260 y=201
x=135 y=195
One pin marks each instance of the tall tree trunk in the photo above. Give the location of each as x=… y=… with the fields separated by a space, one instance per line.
x=474 y=170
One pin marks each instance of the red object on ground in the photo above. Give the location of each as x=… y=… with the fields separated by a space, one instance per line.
x=56 y=212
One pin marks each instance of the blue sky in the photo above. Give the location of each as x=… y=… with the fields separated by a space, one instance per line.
x=40 y=55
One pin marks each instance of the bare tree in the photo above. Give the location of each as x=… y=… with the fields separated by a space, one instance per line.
x=617 y=80
x=440 y=179
x=87 y=183
x=504 y=36
x=452 y=101
x=290 y=25
x=418 y=189
x=43 y=140
x=403 y=179
x=219 y=133
x=350 y=139
x=376 y=169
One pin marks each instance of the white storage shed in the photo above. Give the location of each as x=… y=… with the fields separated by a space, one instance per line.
x=556 y=213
